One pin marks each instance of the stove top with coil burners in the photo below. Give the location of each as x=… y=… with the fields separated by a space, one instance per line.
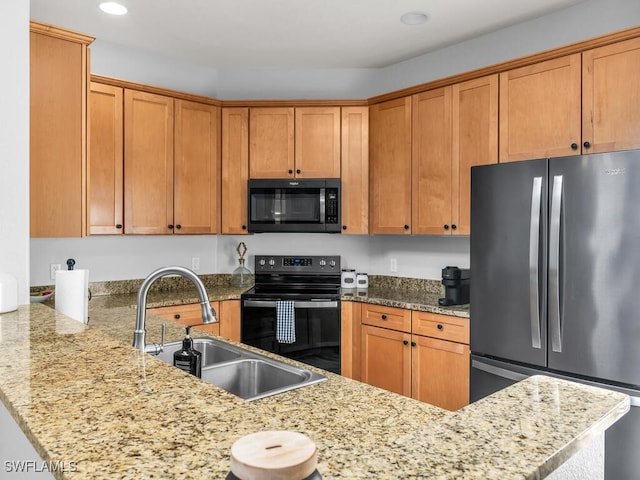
x=290 y=276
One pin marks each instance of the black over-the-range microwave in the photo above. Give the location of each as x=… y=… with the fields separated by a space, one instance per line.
x=294 y=205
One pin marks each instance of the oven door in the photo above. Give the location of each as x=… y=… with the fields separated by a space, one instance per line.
x=317 y=326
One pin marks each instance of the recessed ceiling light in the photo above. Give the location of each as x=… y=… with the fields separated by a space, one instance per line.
x=113 y=8
x=414 y=18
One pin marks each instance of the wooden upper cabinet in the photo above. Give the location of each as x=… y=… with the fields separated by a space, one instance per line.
x=390 y=167
x=540 y=110
x=148 y=163
x=235 y=169
x=58 y=131
x=271 y=147
x=355 y=170
x=611 y=97
x=474 y=142
x=105 y=171
x=196 y=206
x=431 y=162
x=317 y=142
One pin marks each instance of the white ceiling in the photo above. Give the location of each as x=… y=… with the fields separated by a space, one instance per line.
x=290 y=33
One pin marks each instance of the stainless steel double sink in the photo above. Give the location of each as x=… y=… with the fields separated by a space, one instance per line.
x=244 y=373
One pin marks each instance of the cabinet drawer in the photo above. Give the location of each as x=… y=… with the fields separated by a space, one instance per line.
x=190 y=314
x=444 y=327
x=387 y=317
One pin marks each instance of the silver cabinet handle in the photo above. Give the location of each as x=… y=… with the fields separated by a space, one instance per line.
x=554 y=265
x=534 y=252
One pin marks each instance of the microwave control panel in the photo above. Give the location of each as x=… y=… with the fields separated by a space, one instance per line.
x=331 y=206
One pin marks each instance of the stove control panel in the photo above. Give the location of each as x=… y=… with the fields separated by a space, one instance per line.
x=295 y=264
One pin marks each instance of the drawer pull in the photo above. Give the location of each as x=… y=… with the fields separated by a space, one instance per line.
x=406 y=342
x=384 y=316
x=440 y=327
x=177 y=316
x=413 y=344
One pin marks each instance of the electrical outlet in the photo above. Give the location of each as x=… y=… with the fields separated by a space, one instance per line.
x=393 y=265
x=195 y=263
x=53 y=268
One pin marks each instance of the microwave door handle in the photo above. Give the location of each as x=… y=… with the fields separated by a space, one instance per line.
x=322 y=205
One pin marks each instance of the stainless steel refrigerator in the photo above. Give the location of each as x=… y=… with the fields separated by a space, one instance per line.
x=555 y=284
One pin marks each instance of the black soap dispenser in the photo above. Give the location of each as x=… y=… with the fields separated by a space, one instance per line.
x=188 y=359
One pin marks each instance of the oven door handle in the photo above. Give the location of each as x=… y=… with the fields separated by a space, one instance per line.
x=297 y=304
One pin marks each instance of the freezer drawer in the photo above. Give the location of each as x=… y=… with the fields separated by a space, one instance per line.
x=487 y=376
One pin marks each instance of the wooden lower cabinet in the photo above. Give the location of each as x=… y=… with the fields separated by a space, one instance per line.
x=228 y=312
x=386 y=359
x=427 y=360
x=440 y=372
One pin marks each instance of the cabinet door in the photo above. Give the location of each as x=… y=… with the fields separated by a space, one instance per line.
x=106 y=164
x=386 y=359
x=474 y=142
x=229 y=318
x=196 y=204
x=350 y=339
x=317 y=142
x=540 y=110
x=611 y=97
x=148 y=163
x=440 y=372
x=390 y=165
x=431 y=162
x=271 y=147
x=58 y=105
x=355 y=170
x=235 y=169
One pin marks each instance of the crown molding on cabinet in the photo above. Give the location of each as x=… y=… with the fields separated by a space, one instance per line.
x=577 y=47
x=116 y=82
x=53 y=31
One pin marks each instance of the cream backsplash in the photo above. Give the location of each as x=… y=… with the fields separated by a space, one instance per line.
x=132 y=257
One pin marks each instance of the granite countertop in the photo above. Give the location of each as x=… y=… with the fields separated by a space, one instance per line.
x=82 y=394
x=421 y=300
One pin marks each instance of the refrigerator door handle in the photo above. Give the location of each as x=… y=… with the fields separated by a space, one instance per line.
x=555 y=320
x=534 y=252
x=500 y=372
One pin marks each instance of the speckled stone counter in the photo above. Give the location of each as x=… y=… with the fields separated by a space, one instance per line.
x=410 y=293
x=82 y=394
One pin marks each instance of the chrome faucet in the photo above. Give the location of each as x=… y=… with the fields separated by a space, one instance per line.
x=140 y=332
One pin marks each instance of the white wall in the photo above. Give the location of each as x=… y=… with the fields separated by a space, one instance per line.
x=119 y=258
x=14 y=144
x=421 y=257
x=585 y=20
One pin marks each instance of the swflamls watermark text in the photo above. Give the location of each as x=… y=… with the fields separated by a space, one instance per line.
x=26 y=466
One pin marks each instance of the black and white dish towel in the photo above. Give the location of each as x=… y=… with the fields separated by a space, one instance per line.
x=285 y=321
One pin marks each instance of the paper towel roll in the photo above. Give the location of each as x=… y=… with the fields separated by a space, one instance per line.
x=72 y=294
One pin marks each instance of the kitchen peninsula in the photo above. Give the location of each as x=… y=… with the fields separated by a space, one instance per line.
x=84 y=395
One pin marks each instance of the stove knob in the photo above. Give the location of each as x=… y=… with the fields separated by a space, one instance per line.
x=272 y=262
x=332 y=263
x=262 y=262
x=323 y=262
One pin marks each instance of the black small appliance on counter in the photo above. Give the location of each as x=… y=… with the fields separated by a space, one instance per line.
x=456 y=283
